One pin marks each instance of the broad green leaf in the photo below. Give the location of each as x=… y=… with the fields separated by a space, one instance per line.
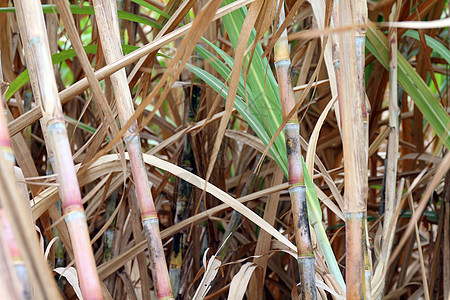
x=262 y=101
x=432 y=43
x=222 y=89
x=413 y=84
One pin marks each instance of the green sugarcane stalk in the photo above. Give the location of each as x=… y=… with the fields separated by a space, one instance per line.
x=107 y=21
x=297 y=189
x=69 y=191
x=185 y=194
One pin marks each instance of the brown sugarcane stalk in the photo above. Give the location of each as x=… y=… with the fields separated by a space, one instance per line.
x=107 y=21
x=354 y=136
x=34 y=34
x=297 y=189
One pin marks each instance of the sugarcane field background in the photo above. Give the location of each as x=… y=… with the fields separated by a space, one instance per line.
x=222 y=149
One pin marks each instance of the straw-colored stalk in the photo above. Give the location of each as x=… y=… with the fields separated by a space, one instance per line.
x=354 y=136
x=69 y=191
x=297 y=189
x=107 y=21
x=185 y=192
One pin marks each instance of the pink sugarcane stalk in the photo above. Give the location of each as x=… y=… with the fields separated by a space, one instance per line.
x=13 y=247
x=69 y=191
x=107 y=20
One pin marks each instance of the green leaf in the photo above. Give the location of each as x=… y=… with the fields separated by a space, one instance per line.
x=432 y=43
x=89 y=10
x=413 y=84
x=315 y=219
x=222 y=89
x=152 y=8
x=57 y=58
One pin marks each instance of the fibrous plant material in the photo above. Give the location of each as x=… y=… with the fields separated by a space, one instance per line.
x=34 y=37
x=354 y=136
x=419 y=253
x=108 y=27
x=297 y=189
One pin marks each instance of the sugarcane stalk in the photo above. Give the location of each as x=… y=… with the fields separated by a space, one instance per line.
x=354 y=136
x=17 y=260
x=18 y=238
x=13 y=248
x=107 y=21
x=297 y=189
x=184 y=194
x=10 y=287
x=31 y=14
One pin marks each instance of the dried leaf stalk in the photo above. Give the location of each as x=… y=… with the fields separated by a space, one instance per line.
x=391 y=201
x=31 y=14
x=107 y=21
x=297 y=188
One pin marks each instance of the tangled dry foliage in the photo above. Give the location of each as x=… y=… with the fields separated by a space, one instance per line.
x=178 y=62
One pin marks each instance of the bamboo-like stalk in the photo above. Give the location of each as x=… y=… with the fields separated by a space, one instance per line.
x=69 y=191
x=10 y=286
x=354 y=136
x=184 y=193
x=107 y=21
x=12 y=246
x=18 y=237
x=297 y=189
x=16 y=258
